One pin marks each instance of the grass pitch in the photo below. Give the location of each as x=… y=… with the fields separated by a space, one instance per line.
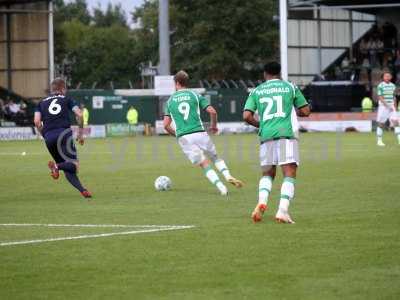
x=345 y=243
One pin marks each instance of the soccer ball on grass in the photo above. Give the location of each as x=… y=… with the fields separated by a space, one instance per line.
x=163 y=183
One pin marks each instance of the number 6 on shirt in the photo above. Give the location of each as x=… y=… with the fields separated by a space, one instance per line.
x=54 y=107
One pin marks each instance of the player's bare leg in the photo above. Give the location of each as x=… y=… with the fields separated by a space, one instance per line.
x=264 y=189
x=223 y=169
x=212 y=176
x=379 y=134
x=287 y=193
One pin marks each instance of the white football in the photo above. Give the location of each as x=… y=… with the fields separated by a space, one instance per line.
x=163 y=183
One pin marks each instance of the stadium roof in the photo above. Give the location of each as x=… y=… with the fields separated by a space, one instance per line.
x=365 y=5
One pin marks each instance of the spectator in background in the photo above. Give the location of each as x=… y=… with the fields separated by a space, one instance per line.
x=338 y=73
x=132 y=116
x=380 y=49
x=373 y=52
x=346 y=68
x=366 y=66
x=375 y=31
x=364 y=47
x=355 y=70
x=366 y=104
x=2 y=108
x=85 y=114
x=389 y=35
x=14 y=108
x=397 y=62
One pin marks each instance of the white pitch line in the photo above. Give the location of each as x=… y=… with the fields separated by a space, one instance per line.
x=88 y=225
x=91 y=236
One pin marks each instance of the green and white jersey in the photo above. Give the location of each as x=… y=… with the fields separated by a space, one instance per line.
x=184 y=108
x=387 y=91
x=274 y=100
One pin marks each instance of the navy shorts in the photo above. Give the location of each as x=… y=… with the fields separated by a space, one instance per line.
x=60 y=144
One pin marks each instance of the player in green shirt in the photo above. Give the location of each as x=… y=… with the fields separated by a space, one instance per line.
x=184 y=107
x=387 y=108
x=275 y=100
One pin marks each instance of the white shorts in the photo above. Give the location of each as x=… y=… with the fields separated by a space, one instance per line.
x=197 y=146
x=279 y=152
x=385 y=114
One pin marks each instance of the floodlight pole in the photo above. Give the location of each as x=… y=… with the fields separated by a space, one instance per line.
x=283 y=37
x=51 y=42
x=163 y=30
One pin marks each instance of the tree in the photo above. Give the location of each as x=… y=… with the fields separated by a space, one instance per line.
x=217 y=39
x=101 y=55
x=99 y=48
x=72 y=11
x=76 y=10
x=209 y=38
x=114 y=15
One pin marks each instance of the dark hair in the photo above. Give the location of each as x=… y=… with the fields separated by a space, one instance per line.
x=182 y=78
x=272 y=68
x=57 y=85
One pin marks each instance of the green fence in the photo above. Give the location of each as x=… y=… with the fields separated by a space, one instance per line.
x=106 y=107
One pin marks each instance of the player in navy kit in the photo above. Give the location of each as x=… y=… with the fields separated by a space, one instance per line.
x=53 y=122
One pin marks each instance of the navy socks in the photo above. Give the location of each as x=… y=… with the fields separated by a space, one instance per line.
x=74 y=181
x=67 y=167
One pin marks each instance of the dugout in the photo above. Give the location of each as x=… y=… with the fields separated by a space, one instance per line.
x=26 y=47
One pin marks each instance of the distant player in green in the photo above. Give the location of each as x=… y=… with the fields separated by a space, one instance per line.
x=183 y=107
x=387 y=108
x=274 y=101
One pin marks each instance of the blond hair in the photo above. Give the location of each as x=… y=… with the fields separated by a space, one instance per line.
x=182 y=78
x=58 y=85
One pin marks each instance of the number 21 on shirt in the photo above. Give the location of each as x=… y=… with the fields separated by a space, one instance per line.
x=270 y=104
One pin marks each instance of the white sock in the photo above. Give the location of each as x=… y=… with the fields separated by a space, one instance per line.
x=214 y=179
x=264 y=189
x=397 y=132
x=379 y=133
x=222 y=168
x=287 y=193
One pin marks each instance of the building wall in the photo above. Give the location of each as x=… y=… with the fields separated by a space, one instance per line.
x=29 y=50
x=3 y=52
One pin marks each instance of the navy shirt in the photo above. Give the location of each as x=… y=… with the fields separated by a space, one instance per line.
x=55 y=111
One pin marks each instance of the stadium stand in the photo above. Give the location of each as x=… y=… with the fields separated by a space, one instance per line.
x=343 y=44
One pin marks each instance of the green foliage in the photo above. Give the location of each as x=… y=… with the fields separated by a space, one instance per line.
x=114 y=15
x=76 y=10
x=217 y=39
x=209 y=38
x=102 y=55
x=99 y=48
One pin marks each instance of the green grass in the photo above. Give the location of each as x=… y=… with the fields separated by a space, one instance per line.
x=345 y=243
